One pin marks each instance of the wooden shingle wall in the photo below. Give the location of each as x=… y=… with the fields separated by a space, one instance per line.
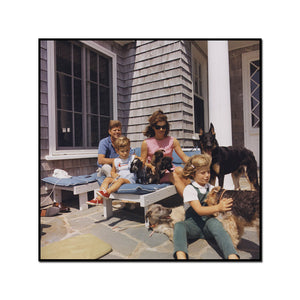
x=155 y=75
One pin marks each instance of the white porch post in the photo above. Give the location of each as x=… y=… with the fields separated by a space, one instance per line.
x=219 y=95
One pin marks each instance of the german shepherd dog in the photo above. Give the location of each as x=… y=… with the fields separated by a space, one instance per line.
x=225 y=160
x=245 y=211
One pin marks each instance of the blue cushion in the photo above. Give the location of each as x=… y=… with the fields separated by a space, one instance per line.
x=74 y=180
x=137 y=151
x=140 y=189
x=125 y=188
x=176 y=159
x=136 y=188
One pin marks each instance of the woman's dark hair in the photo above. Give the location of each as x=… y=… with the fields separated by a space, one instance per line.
x=157 y=116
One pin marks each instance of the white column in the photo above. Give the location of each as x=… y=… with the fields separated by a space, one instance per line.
x=219 y=95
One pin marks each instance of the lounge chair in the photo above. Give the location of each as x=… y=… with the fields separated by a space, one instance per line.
x=144 y=194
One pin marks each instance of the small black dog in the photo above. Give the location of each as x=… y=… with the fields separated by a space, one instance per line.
x=165 y=164
x=144 y=174
x=225 y=160
x=161 y=163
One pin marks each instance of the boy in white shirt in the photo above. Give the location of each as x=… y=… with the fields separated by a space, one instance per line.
x=120 y=173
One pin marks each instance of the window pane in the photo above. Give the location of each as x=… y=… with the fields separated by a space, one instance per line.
x=256 y=63
x=256 y=76
x=104 y=101
x=196 y=91
x=77 y=60
x=65 y=129
x=78 y=130
x=64 y=92
x=103 y=70
x=94 y=131
x=104 y=127
x=77 y=95
x=93 y=66
x=63 y=57
x=195 y=68
x=198 y=113
x=93 y=98
x=256 y=94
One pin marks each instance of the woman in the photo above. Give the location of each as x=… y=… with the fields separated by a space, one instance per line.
x=158 y=139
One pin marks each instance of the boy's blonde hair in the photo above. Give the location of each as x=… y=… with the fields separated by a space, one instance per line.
x=122 y=141
x=195 y=163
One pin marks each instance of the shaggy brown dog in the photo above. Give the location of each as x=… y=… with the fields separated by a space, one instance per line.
x=245 y=211
x=162 y=219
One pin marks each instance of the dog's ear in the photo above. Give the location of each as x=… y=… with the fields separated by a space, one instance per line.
x=216 y=189
x=201 y=132
x=212 y=129
x=148 y=214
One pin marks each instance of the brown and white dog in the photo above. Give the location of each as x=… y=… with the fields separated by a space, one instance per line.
x=245 y=211
x=162 y=219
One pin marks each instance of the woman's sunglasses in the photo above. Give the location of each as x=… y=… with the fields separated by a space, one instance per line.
x=160 y=127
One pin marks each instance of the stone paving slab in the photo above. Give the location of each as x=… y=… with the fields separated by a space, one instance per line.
x=130 y=239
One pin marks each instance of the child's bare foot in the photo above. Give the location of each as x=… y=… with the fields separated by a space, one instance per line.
x=180 y=255
x=233 y=256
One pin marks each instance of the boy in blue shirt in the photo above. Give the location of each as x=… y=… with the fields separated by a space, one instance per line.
x=106 y=149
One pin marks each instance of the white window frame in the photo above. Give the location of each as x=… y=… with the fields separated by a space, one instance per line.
x=55 y=154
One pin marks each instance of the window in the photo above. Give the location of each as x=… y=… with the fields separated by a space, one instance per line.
x=198 y=97
x=81 y=96
x=255 y=93
x=199 y=69
x=81 y=124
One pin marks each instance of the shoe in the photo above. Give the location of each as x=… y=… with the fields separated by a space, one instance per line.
x=50 y=212
x=103 y=193
x=95 y=202
x=62 y=207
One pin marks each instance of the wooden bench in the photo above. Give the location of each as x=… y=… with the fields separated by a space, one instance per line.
x=146 y=199
x=81 y=185
x=78 y=185
x=80 y=190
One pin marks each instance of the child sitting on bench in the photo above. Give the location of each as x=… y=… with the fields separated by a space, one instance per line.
x=120 y=173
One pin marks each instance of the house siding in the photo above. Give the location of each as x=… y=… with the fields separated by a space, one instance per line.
x=156 y=75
